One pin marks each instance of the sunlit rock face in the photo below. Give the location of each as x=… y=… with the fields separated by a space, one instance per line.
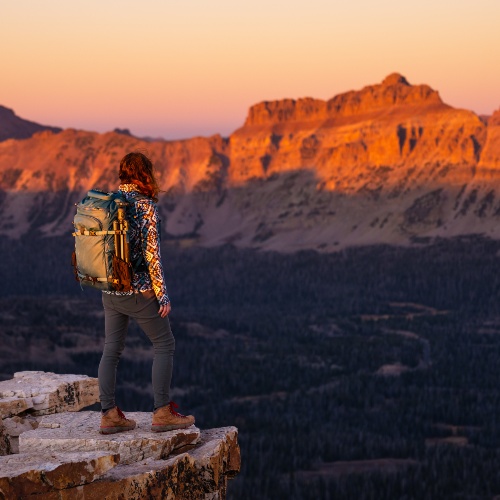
x=488 y=167
x=347 y=139
x=74 y=159
x=390 y=163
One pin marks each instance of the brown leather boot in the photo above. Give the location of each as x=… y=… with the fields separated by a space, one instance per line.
x=114 y=421
x=166 y=418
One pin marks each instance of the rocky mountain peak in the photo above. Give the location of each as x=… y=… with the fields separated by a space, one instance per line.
x=393 y=91
x=6 y=112
x=494 y=119
x=395 y=79
x=14 y=127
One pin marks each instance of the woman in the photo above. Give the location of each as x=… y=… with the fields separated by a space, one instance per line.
x=147 y=303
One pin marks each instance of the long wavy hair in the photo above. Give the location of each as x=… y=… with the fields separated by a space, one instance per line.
x=136 y=168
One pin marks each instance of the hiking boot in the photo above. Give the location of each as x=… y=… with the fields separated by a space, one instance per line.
x=166 y=418
x=113 y=421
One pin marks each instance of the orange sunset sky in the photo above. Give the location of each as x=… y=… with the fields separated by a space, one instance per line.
x=176 y=69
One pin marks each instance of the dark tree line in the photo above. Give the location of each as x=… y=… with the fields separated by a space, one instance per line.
x=289 y=348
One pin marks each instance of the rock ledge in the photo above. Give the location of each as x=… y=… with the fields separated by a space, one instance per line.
x=63 y=456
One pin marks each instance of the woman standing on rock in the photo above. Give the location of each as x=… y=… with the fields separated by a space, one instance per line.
x=147 y=303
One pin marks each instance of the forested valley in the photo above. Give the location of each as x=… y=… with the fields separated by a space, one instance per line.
x=371 y=373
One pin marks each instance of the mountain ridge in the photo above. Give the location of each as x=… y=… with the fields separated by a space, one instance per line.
x=14 y=127
x=394 y=90
x=390 y=163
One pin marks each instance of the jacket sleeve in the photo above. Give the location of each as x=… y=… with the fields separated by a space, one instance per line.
x=149 y=222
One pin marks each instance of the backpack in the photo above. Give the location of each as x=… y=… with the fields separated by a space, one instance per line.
x=101 y=258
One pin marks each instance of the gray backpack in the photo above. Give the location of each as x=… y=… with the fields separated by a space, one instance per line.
x=102 y=258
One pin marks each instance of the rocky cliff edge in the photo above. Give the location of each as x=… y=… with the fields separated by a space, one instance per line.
x=51 y=450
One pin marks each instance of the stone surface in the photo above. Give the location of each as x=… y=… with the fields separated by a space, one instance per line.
x=5 y=447
x=28 y=474
x=65 y=432
x=14 y=405
x=63 y=455
x=44 y=393
x=15 y=426
x=201 y=473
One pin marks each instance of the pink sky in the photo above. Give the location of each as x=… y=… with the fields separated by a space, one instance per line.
x=178 y=69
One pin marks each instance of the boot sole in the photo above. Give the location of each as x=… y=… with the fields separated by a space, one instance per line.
x=115 y=430
x=164 y=428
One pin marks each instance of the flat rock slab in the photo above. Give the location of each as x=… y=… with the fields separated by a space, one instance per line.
x=28 y=474
x=64 y=432
x=45 y=393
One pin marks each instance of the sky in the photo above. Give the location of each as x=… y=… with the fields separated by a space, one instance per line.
x=177 y=69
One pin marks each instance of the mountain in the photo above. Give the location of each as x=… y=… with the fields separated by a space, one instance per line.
x=390 y=163
x=13 y=127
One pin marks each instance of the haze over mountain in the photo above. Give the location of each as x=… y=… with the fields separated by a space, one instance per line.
x=390 y=163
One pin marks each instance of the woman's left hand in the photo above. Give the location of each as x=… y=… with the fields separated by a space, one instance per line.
x=165 y=310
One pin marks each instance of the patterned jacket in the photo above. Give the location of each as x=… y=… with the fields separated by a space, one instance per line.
x=144 y=232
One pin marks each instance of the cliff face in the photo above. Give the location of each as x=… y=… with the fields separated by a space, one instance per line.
x=393 y=91
x=345 y=140
x=387 y=163
x=489 y=162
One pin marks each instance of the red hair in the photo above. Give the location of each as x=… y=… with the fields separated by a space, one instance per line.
x=136 y=168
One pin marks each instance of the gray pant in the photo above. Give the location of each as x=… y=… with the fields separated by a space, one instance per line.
x=143 y=307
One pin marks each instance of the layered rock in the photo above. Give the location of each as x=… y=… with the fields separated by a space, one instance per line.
x=199 y=474
x=44 y=393
x=344 y=140
x=62 y=455
x=393 y=91
x=32 y=394
x=34 y=474
x=488 y=168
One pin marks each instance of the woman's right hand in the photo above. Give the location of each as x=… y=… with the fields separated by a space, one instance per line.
x=165 y=310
